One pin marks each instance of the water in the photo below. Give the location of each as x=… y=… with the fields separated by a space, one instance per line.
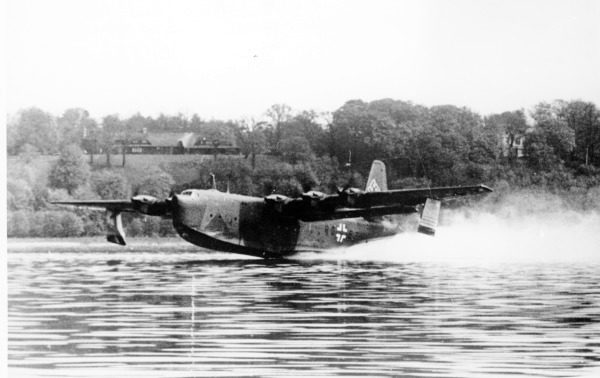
x=408 y=306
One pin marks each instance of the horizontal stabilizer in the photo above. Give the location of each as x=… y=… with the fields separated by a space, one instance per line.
x=429 y=217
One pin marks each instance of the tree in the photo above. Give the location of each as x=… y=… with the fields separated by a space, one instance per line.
x=28 y=153
x=53 y=195
x=305 y=125
x=74 y=125
x=352 y=129
x=552 y=125
x=70 y=170
x=295 y=149
x=157 y=183
x=196 y=122
x=35 y=127
x=135 y=227
x=19 y=194
x=58 y=223
x=51 y=223
x=444 y=142
x=539 y=154
x=135 y=124
x=71 y=224
x=509 y=125
x=252 y=140
x=278 y=114
x=18 y=223
x=110 y=185
x=584 y=119
x=111 y=125
x=381 y=129
x=151 y=226
x=218 y=133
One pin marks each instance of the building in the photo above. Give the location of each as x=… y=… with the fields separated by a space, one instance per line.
x=517 y=149
x=165 y=143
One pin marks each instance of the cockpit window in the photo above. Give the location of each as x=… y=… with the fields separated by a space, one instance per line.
x=186 y=193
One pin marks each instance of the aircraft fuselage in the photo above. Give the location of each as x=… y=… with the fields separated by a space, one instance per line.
x=243 y=224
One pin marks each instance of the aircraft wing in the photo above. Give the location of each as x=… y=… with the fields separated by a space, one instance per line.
x=357 y=213
x=143 y=204
x=111 y=205
x=411 y=197
x=354 y=203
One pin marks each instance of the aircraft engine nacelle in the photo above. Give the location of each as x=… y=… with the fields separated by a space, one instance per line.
x=313 y=197
x=350 y=196
x=149 y=205
x=277 y=201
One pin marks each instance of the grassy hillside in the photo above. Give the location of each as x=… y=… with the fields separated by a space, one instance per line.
x=137 y=166
x=180 y=167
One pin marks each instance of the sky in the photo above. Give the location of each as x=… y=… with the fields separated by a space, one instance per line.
x=234 y=59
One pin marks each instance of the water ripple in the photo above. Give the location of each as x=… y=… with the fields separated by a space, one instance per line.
x=184 y=314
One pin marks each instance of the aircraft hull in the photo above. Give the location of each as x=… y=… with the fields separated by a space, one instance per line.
x=210 y=242
x=311 y=236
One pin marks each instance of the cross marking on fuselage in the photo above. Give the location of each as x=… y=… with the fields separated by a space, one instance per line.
x=340 y=235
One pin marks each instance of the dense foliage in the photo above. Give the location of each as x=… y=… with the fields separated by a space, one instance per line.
x=291 y=152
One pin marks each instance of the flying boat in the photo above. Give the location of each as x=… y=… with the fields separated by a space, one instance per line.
x=278 y=226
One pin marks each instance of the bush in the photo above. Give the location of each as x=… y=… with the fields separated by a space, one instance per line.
x=110 y=185
x=19 y=195
x=55 y=224
x=28 y=153
x=135 y=227
x=57 y=195
x=151 y=226
x=306 y=177
x=592 y=199
x=410 y=182
x=295 y=149
x=18 y=223
x=233 y=172
x=51 y=224
x=70 y=170
x=94 y=222
x=23 y=171
x=72 y=225
x=157 y=183
x=166 y=228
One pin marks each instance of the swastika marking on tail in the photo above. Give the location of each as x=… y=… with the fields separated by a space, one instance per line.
x=373 y=187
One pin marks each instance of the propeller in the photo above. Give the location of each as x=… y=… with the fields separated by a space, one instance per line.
x=349 y=196
x=150 y=205
x=313 y=197
x=277 y=201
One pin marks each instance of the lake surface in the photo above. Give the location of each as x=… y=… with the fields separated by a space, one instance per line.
x=173 y=313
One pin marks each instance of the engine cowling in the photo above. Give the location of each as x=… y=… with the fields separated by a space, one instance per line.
x=350 y=196
x=313 y=197
x=149 y=205
x=277 y=201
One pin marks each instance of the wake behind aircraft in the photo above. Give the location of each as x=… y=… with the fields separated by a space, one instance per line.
x=277 y=226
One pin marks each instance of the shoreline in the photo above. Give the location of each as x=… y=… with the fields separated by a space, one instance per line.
x=96 y=244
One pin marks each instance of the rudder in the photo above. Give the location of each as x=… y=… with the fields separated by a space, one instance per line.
x=377 y=180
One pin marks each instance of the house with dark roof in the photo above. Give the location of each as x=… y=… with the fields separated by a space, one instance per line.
x=173 y=143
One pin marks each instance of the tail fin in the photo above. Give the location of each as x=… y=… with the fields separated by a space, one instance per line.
x=377 y=181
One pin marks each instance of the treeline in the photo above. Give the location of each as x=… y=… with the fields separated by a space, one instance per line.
x=291 y=152
x=32 y=186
